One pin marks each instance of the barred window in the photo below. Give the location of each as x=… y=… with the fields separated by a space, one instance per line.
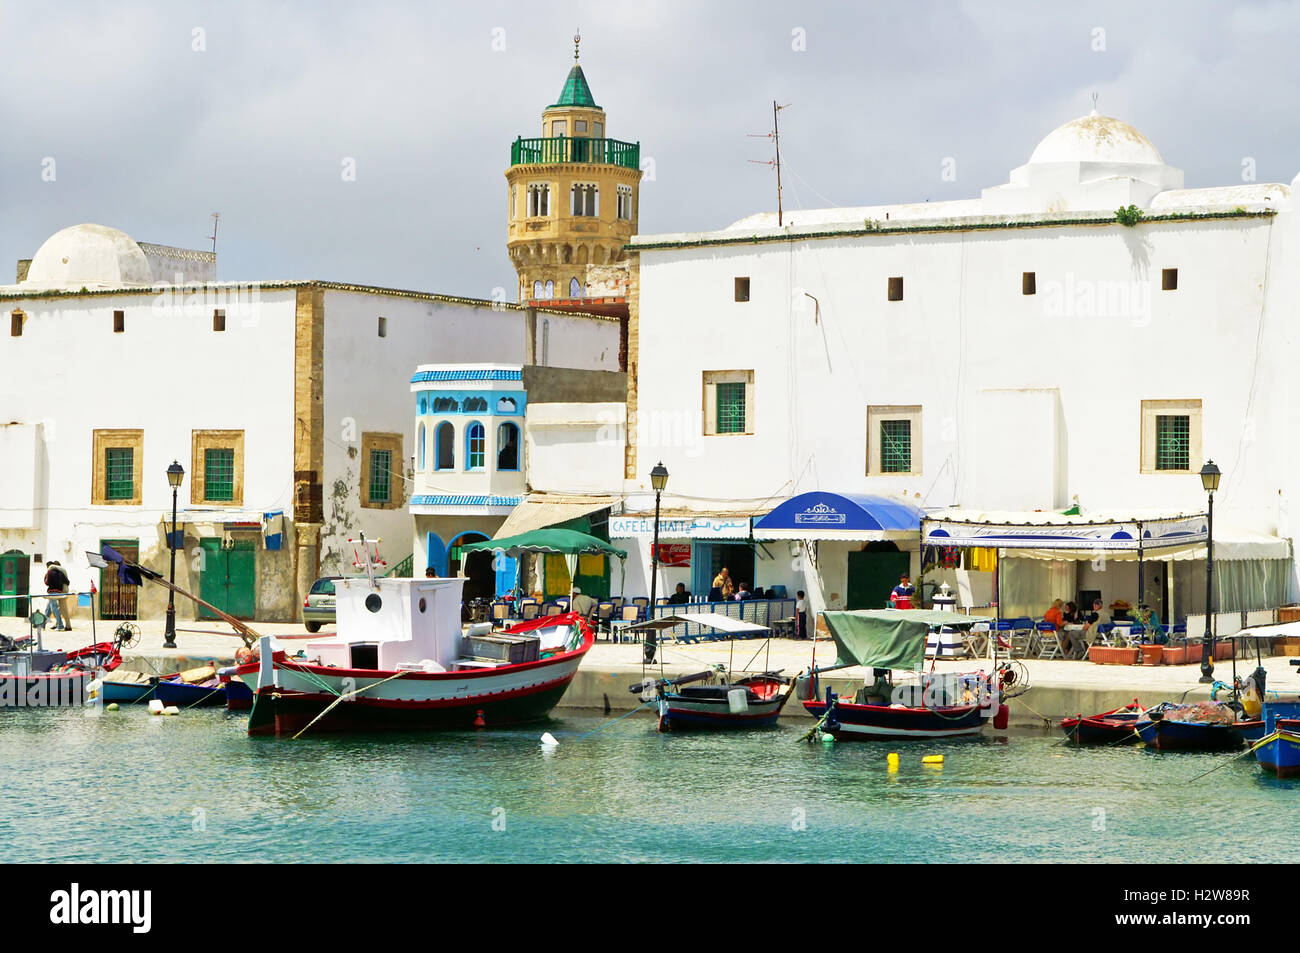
x=475 y=447
x=896 y=446
x=219 y=474
x=1173 y=442
x=731 y=407
x=381 y=464
x=119 y=462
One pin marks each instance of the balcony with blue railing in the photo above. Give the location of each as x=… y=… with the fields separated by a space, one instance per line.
x=558 y=149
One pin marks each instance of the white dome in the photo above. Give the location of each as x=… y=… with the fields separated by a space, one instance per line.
x=90 y=256
x=1096 y=138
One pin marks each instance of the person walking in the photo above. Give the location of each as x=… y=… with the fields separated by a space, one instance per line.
x=56 y=583
x=801 y=615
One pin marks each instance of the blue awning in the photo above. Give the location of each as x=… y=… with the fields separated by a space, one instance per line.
x=853 y=516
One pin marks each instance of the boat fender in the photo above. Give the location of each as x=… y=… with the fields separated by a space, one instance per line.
x=933 y=759
x=155 y=706
x=111 y=706
x=891 y=761
x=244 y=655
x=1002 y=718
x=171 y=710
x=827 y=738
x=478 y=719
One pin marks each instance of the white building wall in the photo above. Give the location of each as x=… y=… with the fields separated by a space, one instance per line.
x=572 y=341
x=575 y=447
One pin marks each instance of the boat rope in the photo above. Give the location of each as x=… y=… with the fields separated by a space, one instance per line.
x=1046 y=720
x=653 y=701
x=344 y=696
x=1241 y=754
x=211 y=692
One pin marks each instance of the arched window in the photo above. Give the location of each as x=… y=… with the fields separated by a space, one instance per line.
x=475 y=446
x=475 y=405
x=424 y=404
x=550 y=289
x=445 y=405
x=507 y=405
x=507 y=447
x=537 y=289
x=445 y=447
x=420 y=460
x=575 y=289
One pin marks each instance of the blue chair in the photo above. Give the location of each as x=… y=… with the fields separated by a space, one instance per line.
x=1049 y=646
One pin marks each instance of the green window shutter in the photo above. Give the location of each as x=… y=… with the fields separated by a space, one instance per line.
x=896 y=446
x=219 y=475
x=730 y=407
x=381 y=462
x=1173 y=442
x=119 y=463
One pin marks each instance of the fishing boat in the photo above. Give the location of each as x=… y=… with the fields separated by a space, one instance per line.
x=32 y=676
x=934 y=706
x=1278 y=750
x=1110 y=727
x=239 y=697
x=129 y=688
x=194 y=688
x=399 y=661
x=1198 y=726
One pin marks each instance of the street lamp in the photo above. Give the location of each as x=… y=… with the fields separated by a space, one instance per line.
x=1210 y=481
x=175 y=474
x=658 y=480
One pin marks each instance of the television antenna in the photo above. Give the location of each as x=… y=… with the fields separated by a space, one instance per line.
x=216 y=216
x=775 y=136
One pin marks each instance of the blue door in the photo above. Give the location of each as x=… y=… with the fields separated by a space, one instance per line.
x=507 y=568
x=436 y=554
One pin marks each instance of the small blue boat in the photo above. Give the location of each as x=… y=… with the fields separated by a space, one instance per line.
x=129 y=691
x=1199 y=726
x=184 y=695
x=1279 y=752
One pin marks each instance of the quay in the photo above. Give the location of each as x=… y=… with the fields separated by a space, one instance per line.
x=1058 y=688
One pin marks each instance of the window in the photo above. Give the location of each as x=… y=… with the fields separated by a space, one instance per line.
x=217 y=467
x=218 y=320
x=444 y=451
x=116 y=474
x=599 y=129
x=475 y=405
x=559 y=127
x=548 y=290
x=586 y=200
x=422 y=405
x=16 y=324
x=381 y=468
x=507 y=405
x=894 y=441
x=539 y=200
x=575 y=289
x=1171 y=436
x=537 y=289
x=381 y=481
x=475 y=446
x=1172 y=441
x=507 y=447
x=420 y=453
x=119 y=322
x=579 y=125
x=1028 y=283
x=1168 y=279
x=741 y=289
x=383 y=326
x=119 y=475
x=728 y=402
x=895 y=289
x=624 y=196
x=445 y=405
x=219 y=474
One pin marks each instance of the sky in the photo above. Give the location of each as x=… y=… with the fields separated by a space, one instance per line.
x=149 y=117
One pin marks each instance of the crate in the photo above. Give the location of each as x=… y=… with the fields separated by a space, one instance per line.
x=1290 y=645
x=511 y=649
x=1288 y=614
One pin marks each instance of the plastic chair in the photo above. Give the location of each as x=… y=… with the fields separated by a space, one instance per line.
x=604 y=613
x=530 y=610
x=553 y=608
x=500 y=613
x=625 y=617
x=1049 y=641
x=642 y=602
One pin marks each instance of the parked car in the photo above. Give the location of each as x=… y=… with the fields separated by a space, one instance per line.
x=318 y=608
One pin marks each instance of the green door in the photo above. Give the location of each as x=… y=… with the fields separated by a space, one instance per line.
x=228 y=578
x=872 y=576
x=15 y=567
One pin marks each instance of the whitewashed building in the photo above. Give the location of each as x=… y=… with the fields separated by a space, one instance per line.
x=281 y=399
x=1029 y=349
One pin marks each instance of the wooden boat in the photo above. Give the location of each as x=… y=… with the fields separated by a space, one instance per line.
x=34 y=677
x=1201 y=726
x=1278 y=749
x=936 y=706
x=239 y=697
x=1110 y=727
x=129 y=688
x=399 y=661
x=182 y=694
x=753 y=701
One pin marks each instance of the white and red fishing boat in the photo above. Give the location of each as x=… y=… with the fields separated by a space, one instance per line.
x=400 y=661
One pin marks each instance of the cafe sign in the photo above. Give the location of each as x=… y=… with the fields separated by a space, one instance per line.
x=698 y=527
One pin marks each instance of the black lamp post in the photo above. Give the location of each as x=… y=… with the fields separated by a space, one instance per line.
x=1210 y=481
x=658 y=480
x=175 y=474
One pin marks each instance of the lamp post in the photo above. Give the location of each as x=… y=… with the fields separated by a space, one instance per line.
x=175 y=474
x=658 y=480
x=1210 y=481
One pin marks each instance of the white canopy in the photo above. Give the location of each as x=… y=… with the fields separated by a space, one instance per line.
x=1091 y=533
x=713 y=620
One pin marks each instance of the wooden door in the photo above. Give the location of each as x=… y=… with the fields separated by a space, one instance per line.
x=117 y=601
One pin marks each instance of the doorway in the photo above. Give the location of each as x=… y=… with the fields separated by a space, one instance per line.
x=228 y=577
x=117 y=601
x=478 y=566
x=15 y=576
x=710 y=558
x=872 y=575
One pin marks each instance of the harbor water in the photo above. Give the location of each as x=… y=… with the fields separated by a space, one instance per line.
x=127 y=787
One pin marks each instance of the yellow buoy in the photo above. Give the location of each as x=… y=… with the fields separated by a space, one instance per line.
x=932 y=759
x=112 y=706
x=891 y=760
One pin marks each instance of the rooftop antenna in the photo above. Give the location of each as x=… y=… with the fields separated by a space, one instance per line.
x=775 y=136
x=1094 y=104
x=215 y=217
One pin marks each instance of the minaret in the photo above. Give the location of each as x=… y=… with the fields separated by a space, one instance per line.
x=573 y=195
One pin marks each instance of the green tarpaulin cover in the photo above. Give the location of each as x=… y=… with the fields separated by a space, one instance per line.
x=886 y=638
x=566 y=541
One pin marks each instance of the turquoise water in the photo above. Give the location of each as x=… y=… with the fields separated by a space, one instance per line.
x=124 y=786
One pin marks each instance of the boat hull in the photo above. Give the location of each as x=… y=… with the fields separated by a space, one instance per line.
x=45 y=689
x=415 y=701
x=126 y=693
x=853 y=722
x=1280 y=754
x=183 y=695
x=1101 y=730
x=681 y=713
x=1168 y=735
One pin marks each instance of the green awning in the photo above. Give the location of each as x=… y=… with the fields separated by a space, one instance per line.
x=886 y=638
x=566 y=541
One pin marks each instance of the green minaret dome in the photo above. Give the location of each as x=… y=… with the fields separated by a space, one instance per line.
x=576 y=92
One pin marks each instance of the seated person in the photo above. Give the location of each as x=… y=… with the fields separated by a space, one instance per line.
x=582 y=604
x=680 y=597
x=1054 y=615
x=744 y=592
x=1070 y=614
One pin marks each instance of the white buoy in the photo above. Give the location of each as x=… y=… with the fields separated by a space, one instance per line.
x=171 y=710
x=548 y=740
x=155 y=706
